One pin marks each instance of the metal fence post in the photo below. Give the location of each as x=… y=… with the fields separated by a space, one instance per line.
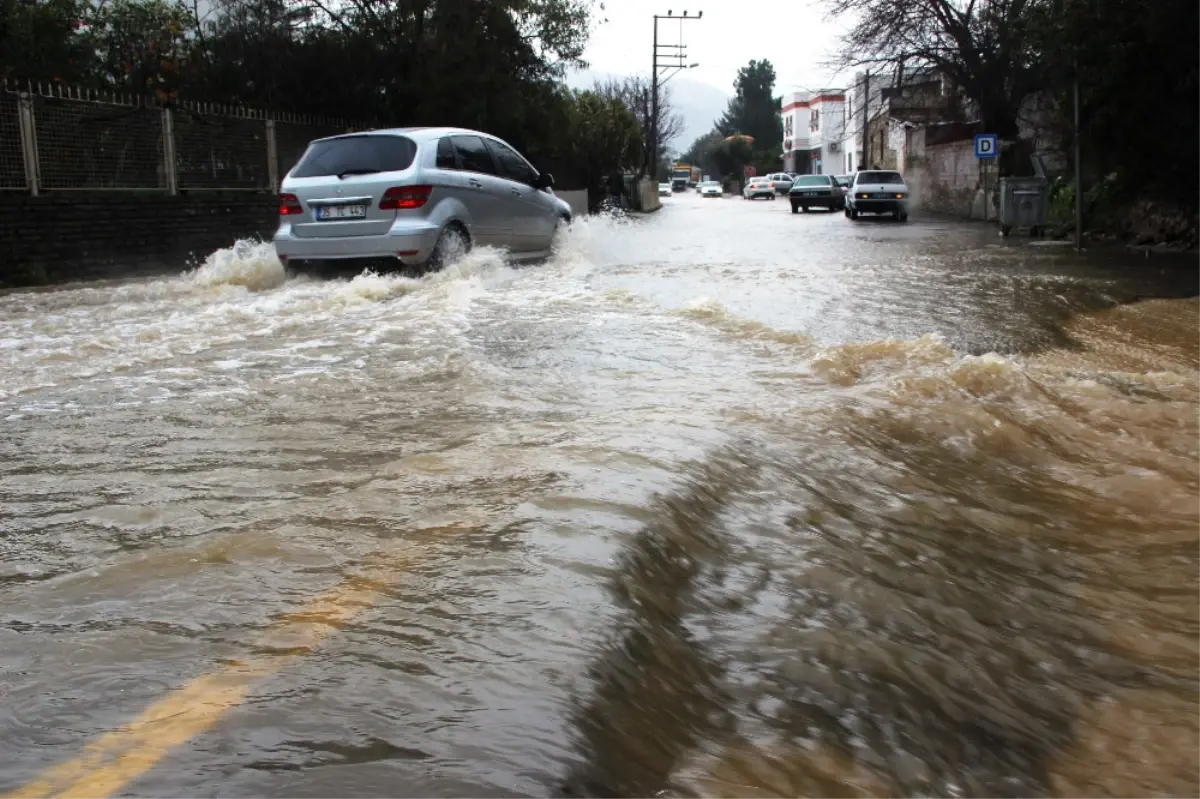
x=29 y=153
x=272 y=157
x=170 y=167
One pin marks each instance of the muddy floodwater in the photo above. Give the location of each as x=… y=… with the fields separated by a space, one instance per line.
x=723 y=501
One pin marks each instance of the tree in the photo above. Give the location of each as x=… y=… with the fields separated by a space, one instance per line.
x=141 y=46
x=1123 y=46
x=45 y=41
x=701 y=152
x=754 y=109
x=732 y=155
x=635 y=93
x=985 y=47
x=604 y=138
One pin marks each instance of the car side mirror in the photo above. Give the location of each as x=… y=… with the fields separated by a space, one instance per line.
x=544 y=181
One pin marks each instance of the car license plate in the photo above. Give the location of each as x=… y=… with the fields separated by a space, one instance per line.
x=341 y=212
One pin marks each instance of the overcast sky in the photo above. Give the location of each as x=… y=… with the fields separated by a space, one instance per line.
x=792 y=34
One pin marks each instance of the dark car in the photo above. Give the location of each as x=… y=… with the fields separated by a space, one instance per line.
x=816 y=191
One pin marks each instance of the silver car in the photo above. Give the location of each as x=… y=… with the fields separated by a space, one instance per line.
x=415 y=197
x=782 y=181
x=758 y=187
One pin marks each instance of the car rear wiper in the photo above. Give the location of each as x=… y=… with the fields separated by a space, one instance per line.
x=344 y=172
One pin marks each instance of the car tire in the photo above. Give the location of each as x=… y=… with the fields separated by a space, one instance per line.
x=451 y=246
x=795 y=208
x=804 y=208
x=854 y=214
x=902 y=217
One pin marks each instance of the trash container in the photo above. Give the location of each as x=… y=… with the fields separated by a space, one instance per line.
x=1024 y=203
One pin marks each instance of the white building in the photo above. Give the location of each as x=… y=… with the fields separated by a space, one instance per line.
x=813 y=125
x=823 y=130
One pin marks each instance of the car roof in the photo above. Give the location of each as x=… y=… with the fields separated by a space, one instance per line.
x=423 y=133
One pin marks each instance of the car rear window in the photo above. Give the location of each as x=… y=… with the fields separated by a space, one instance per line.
x=811 y=180
x=880 y=177
x=356 y=155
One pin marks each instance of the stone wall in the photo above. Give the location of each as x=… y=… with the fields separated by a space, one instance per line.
x=951 y=180
x=67 y=236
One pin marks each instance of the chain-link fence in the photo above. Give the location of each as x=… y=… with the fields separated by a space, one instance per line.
x=53 y=138
x=12 y=162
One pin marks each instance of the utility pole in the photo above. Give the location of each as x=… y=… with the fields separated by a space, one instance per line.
x=866 y=133
x=674 y=63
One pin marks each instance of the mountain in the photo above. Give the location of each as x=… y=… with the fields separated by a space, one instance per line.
x=698 y=103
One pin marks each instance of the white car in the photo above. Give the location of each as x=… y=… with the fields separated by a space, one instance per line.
x=710 y=188
x=758 y=187
x=878 y=191
x=782 y=182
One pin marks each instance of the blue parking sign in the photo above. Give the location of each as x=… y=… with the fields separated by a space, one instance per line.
x=987 y=145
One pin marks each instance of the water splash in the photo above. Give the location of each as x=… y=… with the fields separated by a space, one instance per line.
x=248 y=263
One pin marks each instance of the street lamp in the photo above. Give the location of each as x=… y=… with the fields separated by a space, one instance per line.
x=673 y=66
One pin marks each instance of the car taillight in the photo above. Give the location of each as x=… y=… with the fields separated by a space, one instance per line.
x=289 y=205
x=399 y=198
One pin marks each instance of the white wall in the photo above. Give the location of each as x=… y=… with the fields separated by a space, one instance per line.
x=897 y=142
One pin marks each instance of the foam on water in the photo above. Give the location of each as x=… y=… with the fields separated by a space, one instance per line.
x=248 y=263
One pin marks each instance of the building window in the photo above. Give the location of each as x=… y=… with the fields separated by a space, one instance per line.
x=788 y=125
x=814 y=119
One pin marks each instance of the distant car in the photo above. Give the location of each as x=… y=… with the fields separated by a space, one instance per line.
x=782 y=181
x=815 y=191
x=710 y=188
x=758 y=187
x=415 y=197
x=664 y=189
x=844 y=181
x=878 y=192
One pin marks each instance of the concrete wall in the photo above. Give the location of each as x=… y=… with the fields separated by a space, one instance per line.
x=91 y=235
x=648 y=196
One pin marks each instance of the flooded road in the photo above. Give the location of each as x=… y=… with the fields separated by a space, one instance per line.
x=721 y=501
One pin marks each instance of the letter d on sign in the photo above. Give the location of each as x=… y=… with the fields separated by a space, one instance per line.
x=987 y=145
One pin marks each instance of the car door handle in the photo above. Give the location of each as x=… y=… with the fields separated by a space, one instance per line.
x=475 y=184
x=515 y=192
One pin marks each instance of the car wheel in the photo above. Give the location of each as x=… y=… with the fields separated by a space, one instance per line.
x=451 y=246
x=804 y=208
x=854 y=213
x=902 y=217
x=795 y=208
x=846 y=211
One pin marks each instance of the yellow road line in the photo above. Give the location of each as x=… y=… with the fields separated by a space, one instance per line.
x=121 y=756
